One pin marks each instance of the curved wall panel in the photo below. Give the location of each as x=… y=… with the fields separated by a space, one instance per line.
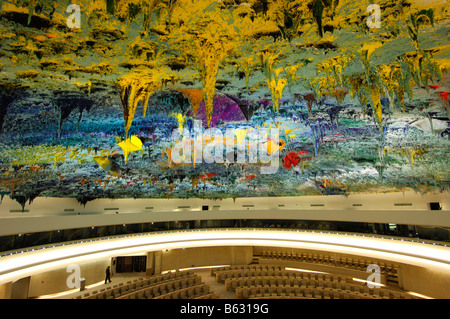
x=16 y=266
x=45 y=214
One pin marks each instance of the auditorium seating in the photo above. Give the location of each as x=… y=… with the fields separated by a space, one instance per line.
x=252 y=266
x=191 y=292
x=301 y=292
x=171 y=285
x=273 y=281
x=257 y=270
x=389 y=269
x=264 y=280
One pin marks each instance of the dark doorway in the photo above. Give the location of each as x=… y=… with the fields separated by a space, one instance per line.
x=131 y=264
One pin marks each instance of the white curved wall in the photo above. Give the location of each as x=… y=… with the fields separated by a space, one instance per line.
x=28 y=263
x=45 y=214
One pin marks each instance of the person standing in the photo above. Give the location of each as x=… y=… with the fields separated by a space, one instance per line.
x=108 y=274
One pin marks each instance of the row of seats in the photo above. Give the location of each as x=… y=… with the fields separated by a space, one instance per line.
x=313 y=293
x=347 y=286
x=257 y=276
x=246 y=267
x=161 y=289
x=232 y=283
x=195 y=292
x=119 y=289
x=359 y=263
x=225 y=274
x=320 y=258
x=387 y=268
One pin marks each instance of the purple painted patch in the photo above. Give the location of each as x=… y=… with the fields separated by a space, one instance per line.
x=225 y=110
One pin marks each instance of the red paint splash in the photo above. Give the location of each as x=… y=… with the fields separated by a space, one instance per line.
x=292 y=159
x=207 y=175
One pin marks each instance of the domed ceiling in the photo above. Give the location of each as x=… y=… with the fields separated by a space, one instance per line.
x=218 y=99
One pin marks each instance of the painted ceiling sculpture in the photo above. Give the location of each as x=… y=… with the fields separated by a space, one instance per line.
x=223 y=98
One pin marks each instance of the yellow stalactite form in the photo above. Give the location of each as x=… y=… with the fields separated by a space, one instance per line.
x=129 y=102
x=267 y=60
x=135 y=88
x=422 y=67
x=365 y=52
x=207 y=34
x=401 y=95
x=247 y=65
x=210 y=51
x=276 y=87
x=388 y=75
x=375 y=97
x=317 y=86
x=209 y=86
x=291 y=72
x=413 y=62
x=354 y=85
x=408 y=152
x=209 y=47
x=357 y=88
x=181 y=120
x=333 y=69
x=146 y=97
